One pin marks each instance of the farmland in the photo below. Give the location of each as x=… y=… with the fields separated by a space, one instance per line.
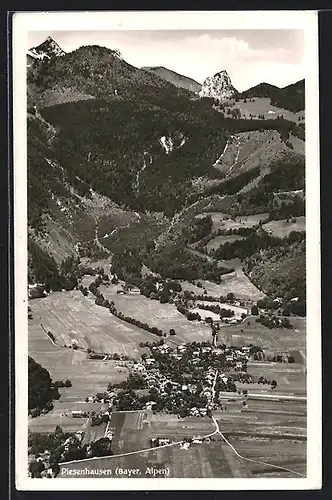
x=223 y=221
x=213 y=458
x=262 y=106
x=236 y=282
x=164 y=316
x=70 y=315
x=221 y=240
x=282 y=228
x=61 y=415
x=87 y=376
x=250 y=332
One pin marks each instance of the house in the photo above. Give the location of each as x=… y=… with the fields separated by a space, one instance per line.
x=139 y=367
x=202 y=411
x=238 y=364
x=224 y=379
x=184 y=387
x=195 y=353
x=229 y=357
x=197 y=441
x=120 y=292
x=77 y=413
x=150 y=361
x=163 y=442
x=185 y=445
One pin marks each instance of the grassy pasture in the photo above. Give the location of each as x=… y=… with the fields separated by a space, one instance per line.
x=236 y=282
x=223 y=221
x=70 y=315
x=164 y=316
x=298 y=144
x=290 y=377
x=282 y=228
x=221 y=240
x=274 y=340
x=285 y=453
x=262 y=106
x=87 y=376
x=61 y=415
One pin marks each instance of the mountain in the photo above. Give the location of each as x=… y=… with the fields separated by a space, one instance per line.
x=46 y=50
x=218 y=86
x=116 y=154
x=93 y=72
x=171 y=76
x=260 y=90
x=290 y=97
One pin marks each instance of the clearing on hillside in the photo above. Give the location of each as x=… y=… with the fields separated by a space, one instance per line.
x=221 y=240
x=262 y=106
x=236 y=282
x=282 y=228
x=248 y=150
x=224 y=221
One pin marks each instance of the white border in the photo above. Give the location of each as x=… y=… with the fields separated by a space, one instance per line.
x=306 y=20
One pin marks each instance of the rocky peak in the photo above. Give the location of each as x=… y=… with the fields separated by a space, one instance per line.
x=218 y=86
x=47 y=49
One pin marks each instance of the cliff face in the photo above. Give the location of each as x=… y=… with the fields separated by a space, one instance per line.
x=218 y=86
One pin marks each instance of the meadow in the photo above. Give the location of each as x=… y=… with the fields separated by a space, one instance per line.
x=221 y=240
x=236 y=282
x=276 y=340
x=282 y=228
x=163 y=316
x=223 y=221
x=262 y=106
x=71 y=316
x=87 y=376
x=61 y=415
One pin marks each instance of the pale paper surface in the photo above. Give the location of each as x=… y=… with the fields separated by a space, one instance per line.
x=303 y=20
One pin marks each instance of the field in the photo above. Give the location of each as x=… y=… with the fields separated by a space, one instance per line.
x=236 y=282
x=290 y=377
x=282 y=228
x=283 y=444
x=221 y=240
x=275 y=339
x=163 y=316
x=87 y=376
x=298 y=144
x=223 y=221
x=70 y=315
x=262 y=106
x=238 y=310
x=61 y=415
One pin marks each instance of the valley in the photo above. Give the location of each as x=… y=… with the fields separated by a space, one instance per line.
x=166 y=271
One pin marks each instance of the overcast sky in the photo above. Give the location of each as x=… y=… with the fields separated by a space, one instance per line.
x=249 y=56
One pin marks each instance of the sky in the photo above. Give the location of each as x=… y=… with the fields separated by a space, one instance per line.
x=249 y=56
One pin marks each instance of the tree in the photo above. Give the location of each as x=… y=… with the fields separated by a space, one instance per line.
x=230 y=297
x=68 y=383
x=36 y=467
x=274 y=384
x=254 y=310
x=172 y=331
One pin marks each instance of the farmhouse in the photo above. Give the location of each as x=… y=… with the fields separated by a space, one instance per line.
x=77 y=413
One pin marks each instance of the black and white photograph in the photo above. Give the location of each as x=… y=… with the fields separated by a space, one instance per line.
x=166 y=178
